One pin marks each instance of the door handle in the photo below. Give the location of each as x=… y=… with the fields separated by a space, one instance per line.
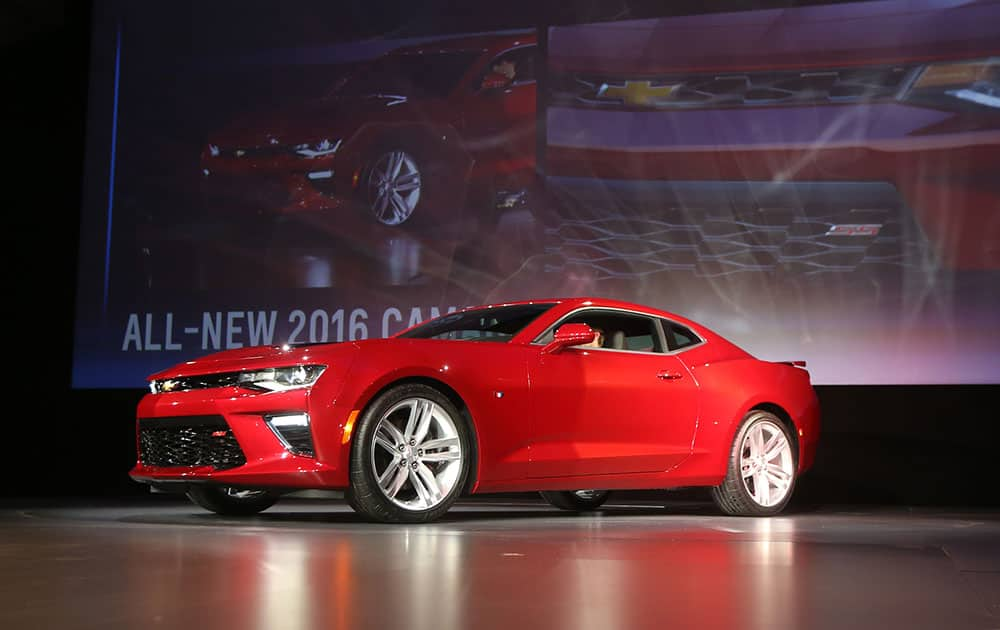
x=667 y=375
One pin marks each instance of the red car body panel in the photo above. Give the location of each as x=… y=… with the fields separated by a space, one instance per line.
x=592 y=389
x=940 y=158
x=541 y=421
x=845 y=33
x=480 y=136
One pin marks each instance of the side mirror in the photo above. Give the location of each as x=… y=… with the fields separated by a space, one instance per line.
x=494 y=80
x=569 y=335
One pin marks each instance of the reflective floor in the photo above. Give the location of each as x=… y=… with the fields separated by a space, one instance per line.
x=158 y=562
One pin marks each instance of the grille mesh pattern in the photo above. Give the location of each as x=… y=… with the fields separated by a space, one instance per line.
x=788 y=241
x=732 y=89
x=189 y=441
x=204 y=381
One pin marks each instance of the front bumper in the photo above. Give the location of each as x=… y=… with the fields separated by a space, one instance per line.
x=223 y=438
x=274 y=186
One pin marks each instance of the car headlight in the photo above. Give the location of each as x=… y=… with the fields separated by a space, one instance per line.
x=975 y=82
x=313 y=150
x=280 y=379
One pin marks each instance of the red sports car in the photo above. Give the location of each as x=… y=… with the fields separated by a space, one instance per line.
x=419 y=133
x=571 y=397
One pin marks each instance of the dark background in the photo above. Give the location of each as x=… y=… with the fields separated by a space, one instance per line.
x=892 y=445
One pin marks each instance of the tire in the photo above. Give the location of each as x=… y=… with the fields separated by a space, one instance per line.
x=755 y=484
x=232 y=501
x=577 y=500
x=413 y=439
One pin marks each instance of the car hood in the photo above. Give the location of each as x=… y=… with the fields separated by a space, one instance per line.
x=258 y=357
x=852 y=33
x=330 y=119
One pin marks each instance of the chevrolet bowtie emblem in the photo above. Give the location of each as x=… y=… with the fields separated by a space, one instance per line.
x=639 y=93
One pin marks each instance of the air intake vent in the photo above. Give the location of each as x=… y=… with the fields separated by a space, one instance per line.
x=189 y=441
x=293 y=431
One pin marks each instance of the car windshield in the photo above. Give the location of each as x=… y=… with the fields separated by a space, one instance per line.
x=434 y=74
x=499 y=323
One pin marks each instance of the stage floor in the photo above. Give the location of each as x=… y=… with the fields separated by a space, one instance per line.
x=511 y=564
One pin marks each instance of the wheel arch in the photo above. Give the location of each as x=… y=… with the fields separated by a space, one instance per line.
x=732 y=495
x=442 y=138
x=444 y=164
x=454 y=397
x=716 y=444
x=784 y=416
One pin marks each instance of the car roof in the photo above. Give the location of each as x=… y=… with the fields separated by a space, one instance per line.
x=489 y=42
x=571 y=303
x=566 y=305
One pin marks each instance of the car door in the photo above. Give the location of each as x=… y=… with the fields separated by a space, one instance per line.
x=629 y=407
x=500 y=120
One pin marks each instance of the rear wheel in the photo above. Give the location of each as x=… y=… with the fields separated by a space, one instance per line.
x=232 y=501
x=577 y=500
x=762 y=468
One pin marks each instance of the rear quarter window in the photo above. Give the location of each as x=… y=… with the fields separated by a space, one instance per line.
x=679 y=337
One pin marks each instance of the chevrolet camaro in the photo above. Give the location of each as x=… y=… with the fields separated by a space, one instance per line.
x=573 y=398
x=407 y=137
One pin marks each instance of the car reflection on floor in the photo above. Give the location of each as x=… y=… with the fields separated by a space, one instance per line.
x=321 y=250
x=497 y=564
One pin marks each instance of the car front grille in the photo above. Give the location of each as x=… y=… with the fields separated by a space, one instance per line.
x=189 y=441
x=261 y=152
x=852 y=228
x=671 y=91
x=242 y=192
x=201 y=381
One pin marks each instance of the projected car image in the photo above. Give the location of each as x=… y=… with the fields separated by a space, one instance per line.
x=571 y=397
x=851 y=137
x=418 y=135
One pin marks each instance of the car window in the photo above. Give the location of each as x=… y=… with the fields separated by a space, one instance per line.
x=678 y=336
x=499 y=323
x=620 y=330
x=432 y=74
x=518 y=64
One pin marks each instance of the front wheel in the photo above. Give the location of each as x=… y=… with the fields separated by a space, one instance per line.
x=231 y=501
x=762 y=468
x=576 y=500
x=394 y=186
x=410 y=457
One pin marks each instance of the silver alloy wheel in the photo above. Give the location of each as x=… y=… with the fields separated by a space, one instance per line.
x=416 y=454
x=393 y=187
x=767 y=466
